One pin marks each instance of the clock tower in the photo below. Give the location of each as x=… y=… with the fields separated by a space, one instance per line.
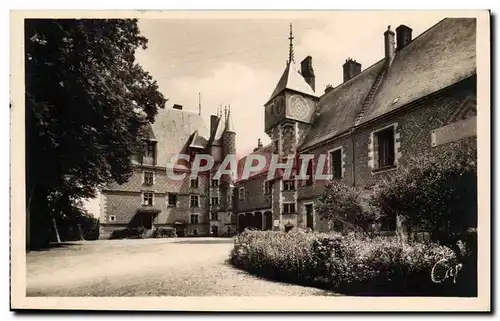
x=290 y=109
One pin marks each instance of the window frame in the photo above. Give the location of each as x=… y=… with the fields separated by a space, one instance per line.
x=144 y=193
x=144 y=181
x=168 y=199
x=212 y=200
x=289 y=204
x=240 y=190
x=191 y=201
x=197 y=180
x=268 y=188
x=212 y=182
x=112 y=218
x=196 y=221
x=286 y=183
x=376 y=149
x=330 y=162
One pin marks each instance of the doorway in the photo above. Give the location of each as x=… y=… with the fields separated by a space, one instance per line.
x=215 y=230
x=309 y=216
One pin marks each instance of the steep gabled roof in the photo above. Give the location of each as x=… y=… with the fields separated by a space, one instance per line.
x=443 y=55
x=339 y=106
x=174 y=130
x=293 y=80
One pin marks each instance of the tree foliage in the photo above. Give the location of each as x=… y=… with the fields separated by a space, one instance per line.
x=87 y=104
x=436 y=192
x=346 y=208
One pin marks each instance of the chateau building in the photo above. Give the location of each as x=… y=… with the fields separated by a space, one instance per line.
x=194 y=205
x=419 y=97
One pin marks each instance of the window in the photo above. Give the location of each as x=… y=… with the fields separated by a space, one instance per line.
x=195 y=182
x=172 y=199
x=336 y=163
x=215 y=201
x=267 y=187
x=309 y=173
x=388 y=223
x=276 y=146
x=288 y=208
x=242 y=193
x=214 y=216
x=230 y=199
x=194 y=219
x=149 y=157
x=289 y=185
x=112 y=218
x=195 y=201
x=195 y=231
x=147 y=198
x=214 y=182
x=148 y=178
x=385 y=147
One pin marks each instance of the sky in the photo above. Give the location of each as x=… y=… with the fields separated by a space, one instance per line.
x=238 y=61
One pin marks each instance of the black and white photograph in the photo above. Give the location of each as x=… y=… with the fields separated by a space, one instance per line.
x=201 y=155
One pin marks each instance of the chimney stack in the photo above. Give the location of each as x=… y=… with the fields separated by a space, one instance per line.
x=213 y=123
x=328 y=88
x=179 y=107
x=259 y=143
x=403 y=36
x=307 y=71
x=389 y=44
x=351 y=69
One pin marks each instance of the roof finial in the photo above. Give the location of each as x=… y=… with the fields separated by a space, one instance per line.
x=290 y=53
x=199 y=103
x=225 y=111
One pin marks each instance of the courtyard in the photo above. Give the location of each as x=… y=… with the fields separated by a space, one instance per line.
x=147 y=267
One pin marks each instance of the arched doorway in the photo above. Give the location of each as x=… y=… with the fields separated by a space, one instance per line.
x=268 y=221
x=258 y=221
x=250 y=219
x=242 y=222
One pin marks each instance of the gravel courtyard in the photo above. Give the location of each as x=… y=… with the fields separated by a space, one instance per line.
x=150 y=267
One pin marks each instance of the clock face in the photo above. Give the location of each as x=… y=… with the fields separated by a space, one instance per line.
x=299 y=108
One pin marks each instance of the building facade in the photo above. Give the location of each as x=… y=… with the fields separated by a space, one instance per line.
x=420 y=96
x=195 y=205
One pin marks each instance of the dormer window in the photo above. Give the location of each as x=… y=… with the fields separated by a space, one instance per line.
x=149 y=157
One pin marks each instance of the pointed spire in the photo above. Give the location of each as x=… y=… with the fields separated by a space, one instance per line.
x=229 y=121
x=290 y=52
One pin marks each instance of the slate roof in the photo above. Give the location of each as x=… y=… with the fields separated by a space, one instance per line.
x=292 y=79
x=266 y=151
x=174 y=130
x=441 y=56
x=339 y=107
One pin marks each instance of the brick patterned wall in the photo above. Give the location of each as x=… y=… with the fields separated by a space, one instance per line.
x=255 y=197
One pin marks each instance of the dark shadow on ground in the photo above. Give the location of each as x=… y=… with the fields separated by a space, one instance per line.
x=54 y=246
x=217 y=241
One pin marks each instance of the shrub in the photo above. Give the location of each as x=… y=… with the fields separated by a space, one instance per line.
x=164 y=232
x=128 y=233
x=436 y=192
x=346 y=208
x=348 y=264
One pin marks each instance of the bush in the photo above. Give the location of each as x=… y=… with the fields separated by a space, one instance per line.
x=128 y=233
x=436 y=193
x=347 y=264
x=164 y=232
x=346 y=208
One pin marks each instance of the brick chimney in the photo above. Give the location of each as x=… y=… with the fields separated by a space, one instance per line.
x=307 y=71
x=389 y=44
x=351 y=69
x=403 y=36
x=259 y=145
x=179 y=107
